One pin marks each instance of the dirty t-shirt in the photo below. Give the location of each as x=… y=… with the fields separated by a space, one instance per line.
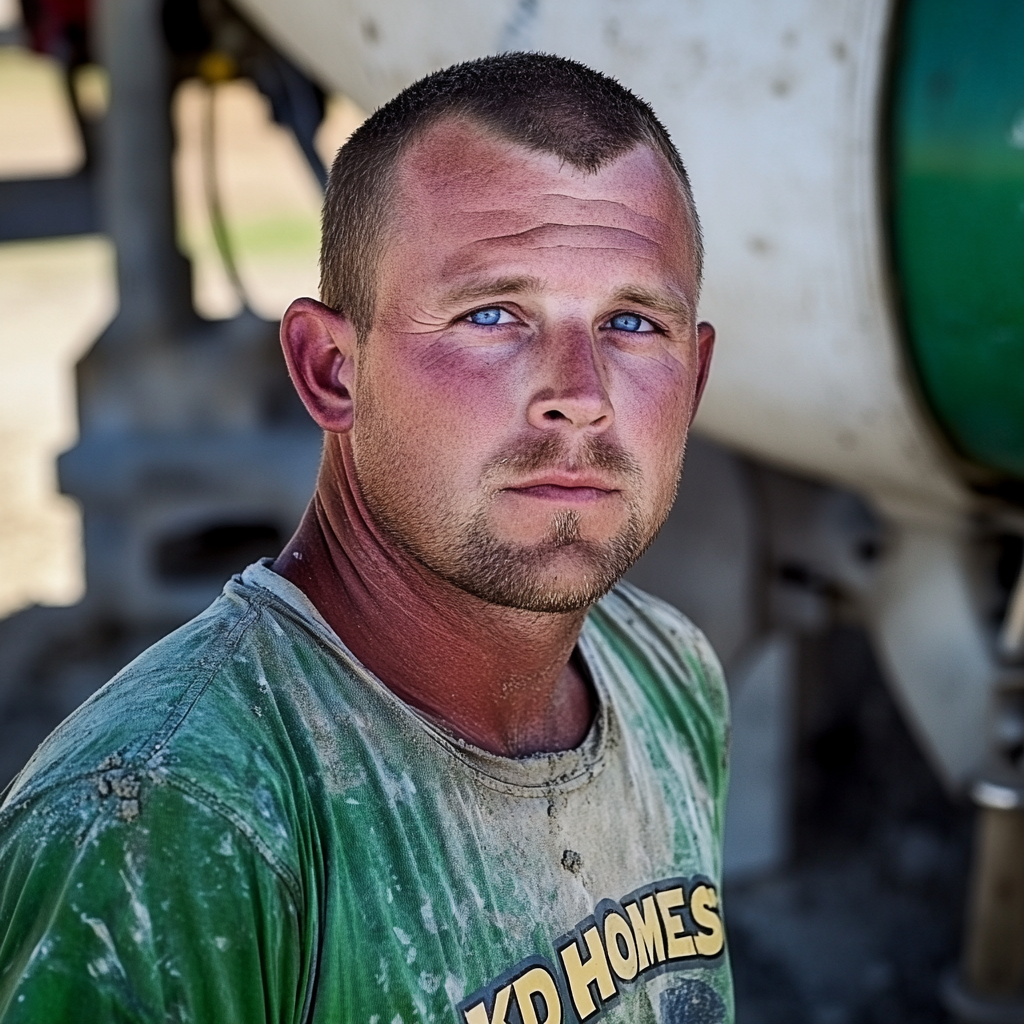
x=246 y=825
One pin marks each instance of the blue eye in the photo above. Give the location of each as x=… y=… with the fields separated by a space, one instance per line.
x=627 y=322
x=485 y=317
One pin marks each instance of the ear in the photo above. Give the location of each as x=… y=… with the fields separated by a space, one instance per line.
x=705 y=348
x=319 y=346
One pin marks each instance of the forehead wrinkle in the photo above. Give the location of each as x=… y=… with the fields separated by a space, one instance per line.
x=463 y=265
x=658 y=224
x=462 y=261
x=523 y=237
x=593 y=248
x=457 y=264
x=573 y=227
x=418 y=169
x=621 y=215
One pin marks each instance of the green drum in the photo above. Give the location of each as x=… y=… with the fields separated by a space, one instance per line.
x=957 y=164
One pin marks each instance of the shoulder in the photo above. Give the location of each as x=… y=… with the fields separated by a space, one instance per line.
x=182 y=730
x=143 y=702
x=655 y=636
x=666 y=674
x=128 y=894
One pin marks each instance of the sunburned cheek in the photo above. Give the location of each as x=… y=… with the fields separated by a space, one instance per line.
x=471 y=396
x=653 y=425
x=654 y=407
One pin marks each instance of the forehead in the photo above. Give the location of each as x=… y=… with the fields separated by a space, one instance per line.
x=457 y=178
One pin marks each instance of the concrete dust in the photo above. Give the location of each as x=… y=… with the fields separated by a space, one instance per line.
x=122 y=783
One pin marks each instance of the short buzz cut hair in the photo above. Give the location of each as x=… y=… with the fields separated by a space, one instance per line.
x=538 y=101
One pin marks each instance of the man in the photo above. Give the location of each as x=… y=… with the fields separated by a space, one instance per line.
x=420 y=767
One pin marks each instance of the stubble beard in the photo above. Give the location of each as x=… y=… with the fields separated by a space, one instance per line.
x=468 y=554
x=519 y=575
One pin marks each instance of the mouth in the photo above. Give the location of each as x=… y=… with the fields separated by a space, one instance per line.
x=565 y=488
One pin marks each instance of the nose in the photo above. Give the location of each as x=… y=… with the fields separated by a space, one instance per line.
x=571 y=387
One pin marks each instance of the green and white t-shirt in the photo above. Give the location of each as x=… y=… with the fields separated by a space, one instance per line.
x=245 y=825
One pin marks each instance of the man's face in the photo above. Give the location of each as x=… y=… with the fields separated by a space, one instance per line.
x=522 y=401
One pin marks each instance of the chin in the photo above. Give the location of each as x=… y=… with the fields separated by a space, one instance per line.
x=544 y=577
x=540 y=597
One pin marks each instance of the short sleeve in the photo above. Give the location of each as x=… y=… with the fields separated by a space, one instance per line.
x=141 y=906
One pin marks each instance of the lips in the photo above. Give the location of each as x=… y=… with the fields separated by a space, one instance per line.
x=565 y=487
x=563 y=494
x=566 y=480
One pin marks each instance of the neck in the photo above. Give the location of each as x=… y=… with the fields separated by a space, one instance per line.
x=502 y=678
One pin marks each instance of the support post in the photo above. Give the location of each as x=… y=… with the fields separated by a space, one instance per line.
x=990 y=985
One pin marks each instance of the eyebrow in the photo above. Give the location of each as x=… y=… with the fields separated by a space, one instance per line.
x=490 y=287
x=660 y=302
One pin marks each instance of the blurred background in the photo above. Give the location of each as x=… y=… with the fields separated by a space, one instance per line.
x=60 y=293
x=848 y=531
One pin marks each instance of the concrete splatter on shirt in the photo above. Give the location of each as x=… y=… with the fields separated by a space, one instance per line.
x=245 y=825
